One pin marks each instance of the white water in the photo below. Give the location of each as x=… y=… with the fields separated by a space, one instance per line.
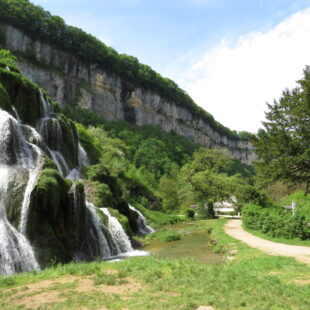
x=47 y=108
x=49 y=125
x=20 y=149
x=60 y=162
x=75 y=173
x=104 y=248
x=83 y=158
x=33 y=178
x=143 y=228
x=119 y=236
x=16 y=254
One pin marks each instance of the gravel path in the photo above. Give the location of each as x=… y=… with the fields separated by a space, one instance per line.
x=300 y=253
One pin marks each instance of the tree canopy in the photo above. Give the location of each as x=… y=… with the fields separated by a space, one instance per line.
x=205 y=179
x=283 y=146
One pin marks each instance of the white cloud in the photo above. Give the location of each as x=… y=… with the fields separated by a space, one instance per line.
x=234 y=81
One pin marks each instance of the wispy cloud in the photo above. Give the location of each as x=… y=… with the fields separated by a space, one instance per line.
x=234 y=81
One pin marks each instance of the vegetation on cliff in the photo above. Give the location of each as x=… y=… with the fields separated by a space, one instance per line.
x=147 y=164
x=41 y=25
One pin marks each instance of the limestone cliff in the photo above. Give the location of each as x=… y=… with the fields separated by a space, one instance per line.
x=70 y=81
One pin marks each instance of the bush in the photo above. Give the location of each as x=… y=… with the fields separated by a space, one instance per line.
x=278 y=222
x=190 y=213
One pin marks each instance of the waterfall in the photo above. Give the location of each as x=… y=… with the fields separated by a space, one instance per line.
x=60 y=162
x=83 y=158
x=22 y=150
x=16 y=254
x=75 y=173
x=102 y=242
x=119 y=236
x=143 y=228
x=33 y=178
x=51 y=131
x=47 y=108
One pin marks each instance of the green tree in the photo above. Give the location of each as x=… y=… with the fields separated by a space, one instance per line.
x=152 y=155
x=204 y=180
x=283 y=146
x=7 y=58
x=167 y=190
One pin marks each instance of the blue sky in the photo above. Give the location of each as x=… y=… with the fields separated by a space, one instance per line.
x=231 y=56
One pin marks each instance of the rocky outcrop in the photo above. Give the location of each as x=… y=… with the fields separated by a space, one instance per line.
x=70 y=81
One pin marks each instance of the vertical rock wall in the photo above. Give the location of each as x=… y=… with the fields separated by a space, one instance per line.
x=71 y=81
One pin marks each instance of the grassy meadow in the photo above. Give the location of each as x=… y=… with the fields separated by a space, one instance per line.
x=246 y=279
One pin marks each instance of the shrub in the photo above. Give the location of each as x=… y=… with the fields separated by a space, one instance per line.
x=278 y=222
x=190 y=213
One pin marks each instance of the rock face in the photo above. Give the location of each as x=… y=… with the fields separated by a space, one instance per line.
x=70 y=81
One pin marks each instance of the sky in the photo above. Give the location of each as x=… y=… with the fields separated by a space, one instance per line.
x=230 y=56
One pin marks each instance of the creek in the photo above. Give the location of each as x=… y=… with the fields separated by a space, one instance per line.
x=193 y=243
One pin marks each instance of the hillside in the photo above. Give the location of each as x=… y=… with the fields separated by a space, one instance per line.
x=77 y=69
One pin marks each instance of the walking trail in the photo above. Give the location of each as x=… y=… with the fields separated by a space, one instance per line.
x=301 y=253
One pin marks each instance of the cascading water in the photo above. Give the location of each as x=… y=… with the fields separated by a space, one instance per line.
x=16 y=254
x=75 y=174
x=120 y=238
x=143 y=228
x=22 y=150
x=103 y=245
x=60 y=162
x=47 y=108
x=50 y=129
x=82 y=156
x=33 y=178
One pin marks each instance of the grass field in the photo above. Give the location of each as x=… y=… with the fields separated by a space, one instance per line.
x=247 y=279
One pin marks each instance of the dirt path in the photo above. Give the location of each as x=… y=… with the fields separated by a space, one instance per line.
x=300 y=253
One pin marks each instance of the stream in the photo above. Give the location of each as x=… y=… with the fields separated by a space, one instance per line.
x=195 y=244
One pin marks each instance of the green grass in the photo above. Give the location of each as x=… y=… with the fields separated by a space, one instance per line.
x=104 y=278
x=157 y=218
x=164 y=236
x=294 y=241
x=251 y=281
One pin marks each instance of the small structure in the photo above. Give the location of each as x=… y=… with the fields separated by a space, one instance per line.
x=292 y=207
x=225 y=206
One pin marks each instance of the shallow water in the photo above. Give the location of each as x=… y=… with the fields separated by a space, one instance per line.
x=194 y=244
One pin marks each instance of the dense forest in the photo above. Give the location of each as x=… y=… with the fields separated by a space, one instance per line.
x=41 y=25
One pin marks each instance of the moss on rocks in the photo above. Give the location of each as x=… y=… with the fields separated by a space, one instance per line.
x=5 y=103
x=70 y=140
x=104 y=219
x=2 y=37
x=89 y=143
x=46 y=222
x=23 y=94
